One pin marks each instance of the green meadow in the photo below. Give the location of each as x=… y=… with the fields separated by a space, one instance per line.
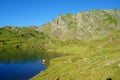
x=88 y=60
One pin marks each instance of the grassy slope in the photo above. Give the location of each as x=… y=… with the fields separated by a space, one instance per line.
x=88 y=60
x=24 y=37
x=92 y=60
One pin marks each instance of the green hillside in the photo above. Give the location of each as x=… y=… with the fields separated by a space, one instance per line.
x=21 y=37
x=89 y=60
x=91 y=39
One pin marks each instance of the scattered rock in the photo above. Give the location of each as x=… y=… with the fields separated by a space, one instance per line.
x=18 y=46
x=119 y=65
x=106 y=57
x=85 y=59
x=108 y=63
x=44 y=61
x=108 y=78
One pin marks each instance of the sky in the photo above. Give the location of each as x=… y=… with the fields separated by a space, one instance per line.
x=38 y=12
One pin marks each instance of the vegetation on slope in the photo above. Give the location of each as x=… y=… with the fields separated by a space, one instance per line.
x=91 y=60
x=21 y=37
x=91 y=38
x=94 y=50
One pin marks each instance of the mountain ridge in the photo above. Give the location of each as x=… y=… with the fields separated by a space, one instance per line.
x=81 y=26
x=85 y=21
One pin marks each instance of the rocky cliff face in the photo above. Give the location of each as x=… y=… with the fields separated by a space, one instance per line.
x=84 y=25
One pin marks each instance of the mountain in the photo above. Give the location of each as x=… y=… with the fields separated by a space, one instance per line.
x=84 y=25
x=81 y=26
x=91 y=39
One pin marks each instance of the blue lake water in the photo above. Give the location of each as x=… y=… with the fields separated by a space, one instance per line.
x=22 y=64
x=20 y=71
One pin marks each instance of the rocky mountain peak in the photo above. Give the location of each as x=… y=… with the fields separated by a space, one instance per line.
x=85 y=25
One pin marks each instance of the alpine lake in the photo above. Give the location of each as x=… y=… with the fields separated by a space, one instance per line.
x=17 y=64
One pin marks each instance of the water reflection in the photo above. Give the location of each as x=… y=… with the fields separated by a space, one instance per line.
x=22 y=56
x=17 y=64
